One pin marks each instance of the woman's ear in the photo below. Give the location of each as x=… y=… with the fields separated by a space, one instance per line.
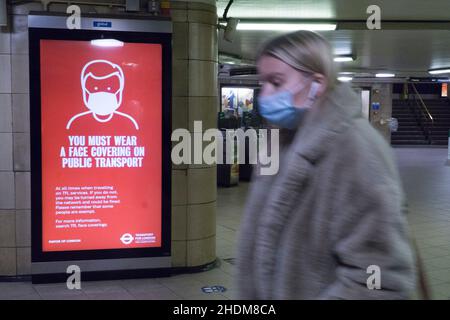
x=321 y=85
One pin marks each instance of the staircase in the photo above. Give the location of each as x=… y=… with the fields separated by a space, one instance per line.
x=409 y=130
x=414 y=130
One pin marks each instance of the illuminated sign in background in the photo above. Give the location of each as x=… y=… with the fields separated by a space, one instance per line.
x=444 y=91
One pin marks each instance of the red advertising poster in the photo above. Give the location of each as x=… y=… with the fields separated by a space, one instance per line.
x=101 y=110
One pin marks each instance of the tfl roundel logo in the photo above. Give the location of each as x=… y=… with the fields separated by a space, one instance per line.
x=126 y=238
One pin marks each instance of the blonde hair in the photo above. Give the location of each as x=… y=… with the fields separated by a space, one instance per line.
x=305 y=51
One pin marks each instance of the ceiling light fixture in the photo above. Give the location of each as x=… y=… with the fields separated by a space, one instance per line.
x=345 y=79
x=439 y=71
x=385 y=75
x=344 y=58
x=272 y=26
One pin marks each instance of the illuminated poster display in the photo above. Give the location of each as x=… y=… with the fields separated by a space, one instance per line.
x=101 y=142
x=100 y=151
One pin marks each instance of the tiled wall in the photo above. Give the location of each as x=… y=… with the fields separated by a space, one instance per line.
x=194 y=98
x=15 y=253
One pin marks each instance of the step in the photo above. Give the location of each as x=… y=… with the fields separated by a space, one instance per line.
x=440 y=143
x=395 y=138
x=404 y=118
x=440 y=115
x=409 y=142
x=439 y=136
x=409 y=128
x=405 y=115
x=440 y=126
x=406 y=136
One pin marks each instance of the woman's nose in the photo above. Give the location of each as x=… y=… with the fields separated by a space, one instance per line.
x=265 y=91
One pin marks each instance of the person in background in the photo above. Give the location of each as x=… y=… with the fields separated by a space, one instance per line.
x=231 y=98
x=331 y=223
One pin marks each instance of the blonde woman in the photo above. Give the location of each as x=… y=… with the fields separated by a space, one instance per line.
x=330 y=224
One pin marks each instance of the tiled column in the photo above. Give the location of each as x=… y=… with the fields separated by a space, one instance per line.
x=15 y=216
x=8 y=263
x=21 y=138
x=382 y=93
x=194 y=99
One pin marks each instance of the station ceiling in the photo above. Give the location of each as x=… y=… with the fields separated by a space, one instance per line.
x=414 y=35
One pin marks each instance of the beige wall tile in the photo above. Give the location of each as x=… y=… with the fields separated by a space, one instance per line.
x=202 y=6
x=203 y=42
x=21 y=151
x=26 y=8
x=7 y=190
x=19 y=36
x=8 y=261
x=24 y=261
x=179 y=223
x=181 y=166
x=5 y=113
x=178 y=15
x=200 y=252
x=5 y=42
x=202 y=78
x=382 y=93
x=19 y=73
x=179 y=254
x=7 y=229
x=180 y=78
x=23 y=190
x=6 y=156
x=195 y=164
x=195 y=153
x=179 y=185
x=202 y=185
x=204 y=109
x=180 y=112
x=201 y=221
x=202 y=17
x=180 y=40
x=23 y=228
x=5 y=73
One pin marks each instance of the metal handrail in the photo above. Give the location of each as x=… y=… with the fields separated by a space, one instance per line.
x=421 y=108
x=423 y=103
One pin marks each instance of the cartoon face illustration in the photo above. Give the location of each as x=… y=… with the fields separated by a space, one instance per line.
x=102 y=84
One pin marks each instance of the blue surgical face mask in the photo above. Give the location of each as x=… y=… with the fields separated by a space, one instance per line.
x=279 y=108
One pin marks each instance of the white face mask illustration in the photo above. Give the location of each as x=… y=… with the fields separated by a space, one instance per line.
x=102 y=103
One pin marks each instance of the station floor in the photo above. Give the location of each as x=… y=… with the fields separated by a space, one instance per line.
x=426 y=180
